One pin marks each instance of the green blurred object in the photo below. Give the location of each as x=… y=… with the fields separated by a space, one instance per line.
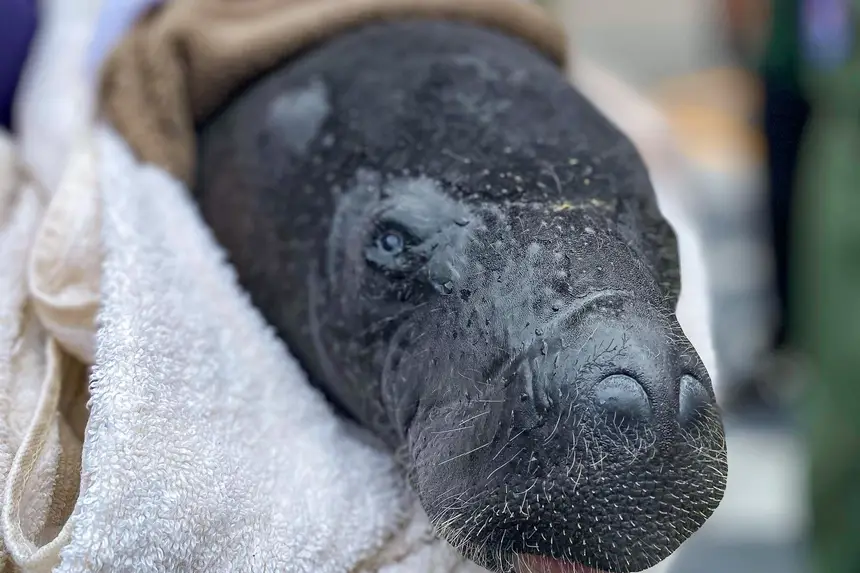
x=781 y=57
x=826 y=297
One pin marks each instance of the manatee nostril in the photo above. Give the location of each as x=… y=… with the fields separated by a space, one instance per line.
x=692 y=399
x=622 y=398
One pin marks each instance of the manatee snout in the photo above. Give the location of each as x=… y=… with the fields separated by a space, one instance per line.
x=569 y=446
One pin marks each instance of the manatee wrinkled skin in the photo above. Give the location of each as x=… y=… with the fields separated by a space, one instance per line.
x=468 y=259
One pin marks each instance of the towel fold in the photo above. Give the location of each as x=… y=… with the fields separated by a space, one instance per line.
x=184 y=58
x=43 y=388
x=41 y=427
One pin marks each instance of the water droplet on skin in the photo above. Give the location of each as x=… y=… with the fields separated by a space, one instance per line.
x=556 y=306
x=524 y=397
x=461 y=221
x=448 y=287
x=543 y=348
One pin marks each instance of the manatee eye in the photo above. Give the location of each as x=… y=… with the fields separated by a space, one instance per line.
x=394 y=250
x=391 y=242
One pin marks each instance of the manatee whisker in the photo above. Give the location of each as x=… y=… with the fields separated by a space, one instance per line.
x=507 y=444
x=557 y=422
x=376 y=325
x=465 y=453
x=453 y=430
x=521 y=450
x=467 y=420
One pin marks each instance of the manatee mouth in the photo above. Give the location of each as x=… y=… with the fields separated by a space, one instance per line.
x=595 y=447
x=525 y=563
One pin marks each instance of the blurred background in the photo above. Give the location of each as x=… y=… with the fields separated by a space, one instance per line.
x=678 y=55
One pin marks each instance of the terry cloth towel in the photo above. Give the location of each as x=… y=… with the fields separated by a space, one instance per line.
x=42 y=412
x=185 y=58
x=42 y=388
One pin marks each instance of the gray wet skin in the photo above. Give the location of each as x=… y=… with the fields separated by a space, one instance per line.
x=468 y=259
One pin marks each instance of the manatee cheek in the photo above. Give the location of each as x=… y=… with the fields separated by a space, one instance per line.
x=401 y=399
x=439 y=452
x=403 y=382
x=453 y=441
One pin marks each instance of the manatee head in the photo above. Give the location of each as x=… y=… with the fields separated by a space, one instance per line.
x=468 y=259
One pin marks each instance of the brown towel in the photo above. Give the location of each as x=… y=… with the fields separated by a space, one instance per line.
x=187 y=57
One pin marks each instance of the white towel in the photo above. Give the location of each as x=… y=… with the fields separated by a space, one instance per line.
x=42 y=397
x=21 y=364
x=40 y=414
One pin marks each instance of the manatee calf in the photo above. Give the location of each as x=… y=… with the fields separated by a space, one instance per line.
x=468 y=259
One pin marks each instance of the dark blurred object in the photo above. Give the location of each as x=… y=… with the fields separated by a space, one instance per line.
x=786 y=113
x=764 y=35
x=18 y=21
